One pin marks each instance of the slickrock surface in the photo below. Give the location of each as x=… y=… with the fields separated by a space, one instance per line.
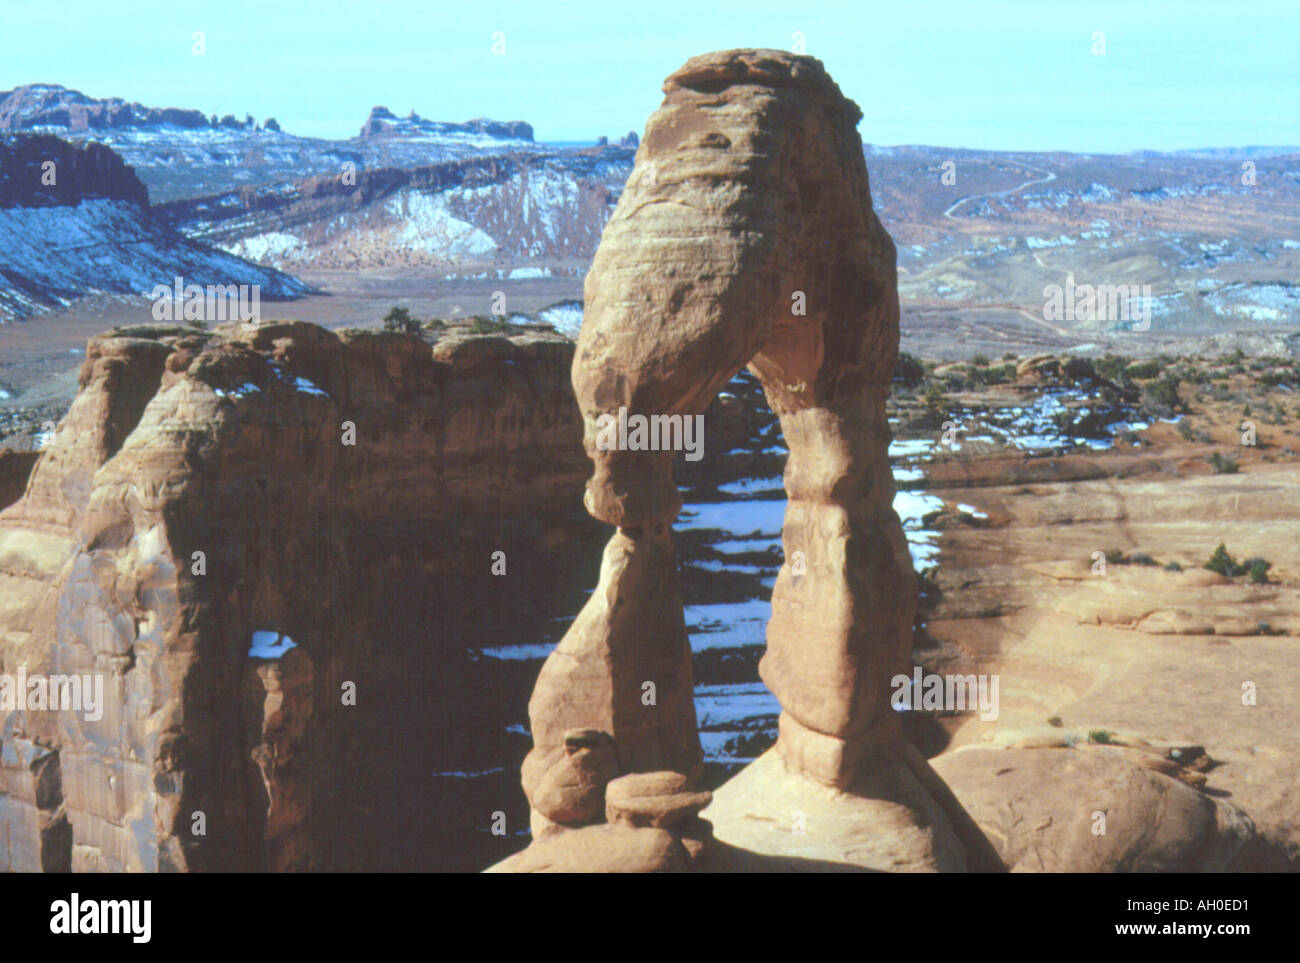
x=371 y=557
x=1093 y=809
x=1158 y=653
x=746 y=236
x=1150 y=689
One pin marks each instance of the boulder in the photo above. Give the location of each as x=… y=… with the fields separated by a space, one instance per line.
x=602 y=848
x=659 y=799
x=1099 y=810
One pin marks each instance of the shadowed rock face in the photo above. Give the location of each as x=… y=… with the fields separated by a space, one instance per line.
x=745 y=236
x=76 y=174
x=374 y=558
x=15 y=469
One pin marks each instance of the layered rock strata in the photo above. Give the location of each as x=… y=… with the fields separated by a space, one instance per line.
x=271 y=543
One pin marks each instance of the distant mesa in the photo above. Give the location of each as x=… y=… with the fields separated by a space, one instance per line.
x=629 y=141
x=231 y=122
x=382 y=122
x=35 y=106
x=52 y=107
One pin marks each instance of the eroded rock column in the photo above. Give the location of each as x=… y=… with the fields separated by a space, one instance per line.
x=623 y=671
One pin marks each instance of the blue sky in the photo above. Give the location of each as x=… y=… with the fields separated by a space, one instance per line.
x=1008 y=75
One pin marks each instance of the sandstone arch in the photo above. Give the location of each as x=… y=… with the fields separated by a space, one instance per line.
x=749 y=195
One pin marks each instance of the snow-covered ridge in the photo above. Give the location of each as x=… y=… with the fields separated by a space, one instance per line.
x=513 y=206
x=53 y=255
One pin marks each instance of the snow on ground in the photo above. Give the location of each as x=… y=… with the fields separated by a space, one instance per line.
x=51 y=255
x=566 y=316
x=1262 y=302
x=272 y=248
x=427 y=224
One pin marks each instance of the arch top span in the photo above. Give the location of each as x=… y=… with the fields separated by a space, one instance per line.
x=745 y=236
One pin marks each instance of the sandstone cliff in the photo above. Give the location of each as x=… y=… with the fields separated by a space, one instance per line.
x=211 y=496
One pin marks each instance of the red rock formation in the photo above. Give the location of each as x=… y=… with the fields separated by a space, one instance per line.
x=746 y=236
x=236 y=445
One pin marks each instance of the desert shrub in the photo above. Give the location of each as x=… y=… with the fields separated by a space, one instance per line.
x=995 y=375
x=1115 y=556
x=935 y=398
x=1173 y=567
x=1079 y=369
x=482 y=324
x=1113 y=367
x=1223 y=563
x=1100 y=736
x=1221 y=465
x=1163 y=394
x=1055 y=722
x=1257 y=568
x=1142 y=558
x=908 y=371
x=1271 y=379
x=400 y=320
